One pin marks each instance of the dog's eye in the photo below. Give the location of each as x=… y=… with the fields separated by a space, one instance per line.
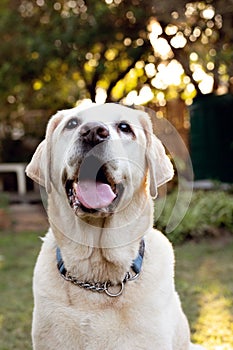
x=72 y=124
x=124 y=127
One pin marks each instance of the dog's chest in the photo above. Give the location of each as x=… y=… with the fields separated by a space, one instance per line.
x=111 y=325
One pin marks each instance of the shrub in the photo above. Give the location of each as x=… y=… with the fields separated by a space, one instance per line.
x=208 y=211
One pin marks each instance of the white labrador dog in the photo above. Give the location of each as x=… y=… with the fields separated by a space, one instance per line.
x=104 y=276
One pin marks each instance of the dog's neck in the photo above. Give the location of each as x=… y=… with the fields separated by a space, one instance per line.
x=102 y=249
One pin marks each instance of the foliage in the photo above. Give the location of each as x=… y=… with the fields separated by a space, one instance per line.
x=207 y=211
x=201 y=41
x=74 y=48
x=54 y=53
x=203 y=275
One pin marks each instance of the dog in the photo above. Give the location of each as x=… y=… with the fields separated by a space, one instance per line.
x=104 y=278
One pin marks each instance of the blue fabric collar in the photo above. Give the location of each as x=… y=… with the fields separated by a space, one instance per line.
x=137 y=263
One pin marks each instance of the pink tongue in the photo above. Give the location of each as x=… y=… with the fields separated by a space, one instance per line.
x=94 y=195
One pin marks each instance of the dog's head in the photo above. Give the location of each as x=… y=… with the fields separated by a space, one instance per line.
x=100 y=158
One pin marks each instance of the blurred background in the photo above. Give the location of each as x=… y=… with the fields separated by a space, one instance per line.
x=174 y=57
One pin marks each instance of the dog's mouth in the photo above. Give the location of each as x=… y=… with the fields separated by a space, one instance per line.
x=93 y=189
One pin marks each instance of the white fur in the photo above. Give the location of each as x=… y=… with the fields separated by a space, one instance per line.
x=148 y=314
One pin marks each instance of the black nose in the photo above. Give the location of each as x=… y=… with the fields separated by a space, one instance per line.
x=93 y=133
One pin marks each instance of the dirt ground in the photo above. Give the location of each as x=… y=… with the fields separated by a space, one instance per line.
x=28 y=217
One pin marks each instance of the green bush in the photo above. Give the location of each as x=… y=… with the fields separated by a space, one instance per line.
x=207 y=212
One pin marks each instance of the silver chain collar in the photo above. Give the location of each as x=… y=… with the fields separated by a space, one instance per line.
x=101 y=287
x=106 y=287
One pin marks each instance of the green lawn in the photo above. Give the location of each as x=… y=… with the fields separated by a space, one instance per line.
x=204 y=279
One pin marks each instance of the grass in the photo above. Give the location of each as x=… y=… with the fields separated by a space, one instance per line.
x=204 y=279
x=17 y=258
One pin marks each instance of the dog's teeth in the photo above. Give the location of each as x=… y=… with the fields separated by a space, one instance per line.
x=71 y=198
x=76 y=204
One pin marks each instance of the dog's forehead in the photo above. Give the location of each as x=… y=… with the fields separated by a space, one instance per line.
x=109 y=113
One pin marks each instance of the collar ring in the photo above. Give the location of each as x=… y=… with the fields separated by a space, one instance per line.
x=108 y=285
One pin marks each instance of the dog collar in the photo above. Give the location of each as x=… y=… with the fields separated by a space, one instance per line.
x=107 y=287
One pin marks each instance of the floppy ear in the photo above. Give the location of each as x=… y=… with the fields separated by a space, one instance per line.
x=39 y=167
x=159 y=165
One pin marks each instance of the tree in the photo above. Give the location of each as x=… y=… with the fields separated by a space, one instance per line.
x=54 y=53
x=69 y=47
x=205 y=39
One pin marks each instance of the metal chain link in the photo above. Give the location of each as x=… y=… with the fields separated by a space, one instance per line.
x=101 y=287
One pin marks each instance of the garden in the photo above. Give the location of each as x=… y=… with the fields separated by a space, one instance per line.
x=174 y=58
x=204 y=270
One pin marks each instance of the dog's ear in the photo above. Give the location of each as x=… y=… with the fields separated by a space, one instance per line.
x=34 y=169
x=39 y=167
x=159 y=165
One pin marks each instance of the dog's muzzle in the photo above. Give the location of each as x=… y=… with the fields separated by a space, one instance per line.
x=93 y=189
